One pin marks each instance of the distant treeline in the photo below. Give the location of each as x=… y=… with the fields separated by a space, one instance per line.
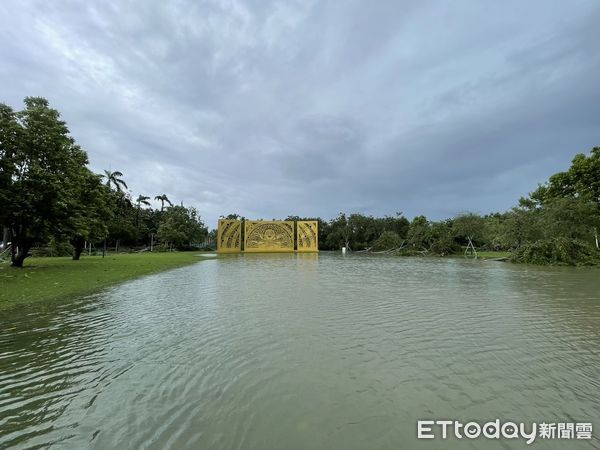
x=51 y=200
x=556 y=224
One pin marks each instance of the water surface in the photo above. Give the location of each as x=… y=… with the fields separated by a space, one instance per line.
x=303 y=352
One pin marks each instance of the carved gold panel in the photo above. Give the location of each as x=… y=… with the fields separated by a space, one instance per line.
x=307 y=236
x=268 y=236
x=229 y=236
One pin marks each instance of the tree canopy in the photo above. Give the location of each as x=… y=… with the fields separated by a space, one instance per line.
x=49 y=196
x=45 y=178
x=181 y=227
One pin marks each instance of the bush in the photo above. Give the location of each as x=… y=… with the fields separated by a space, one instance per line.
x=558 y=251
x=387 y=241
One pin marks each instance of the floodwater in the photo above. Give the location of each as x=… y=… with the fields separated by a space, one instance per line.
x=304 y=352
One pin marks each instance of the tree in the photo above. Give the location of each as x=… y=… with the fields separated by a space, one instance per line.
x=364 y=230
x=114 y=179
x=93 y=209
x=42 y=173
x=522 y=225
x=387 y=241
x=442 y=239
x=570 y=217
x=232 y=216
x=582 y=179
x=163 y=199
x=419 y=233
x=181 y=227
x=10 y=132
x=339 y=233
x=141 y=200
x=468 y=227
x=398 y=224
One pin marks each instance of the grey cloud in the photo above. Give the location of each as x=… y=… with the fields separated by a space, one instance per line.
x=315 y=107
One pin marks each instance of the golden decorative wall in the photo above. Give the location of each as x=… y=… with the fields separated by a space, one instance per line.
x=268 y=236
x=229 y=237
x=265 y=236
x=307 y=236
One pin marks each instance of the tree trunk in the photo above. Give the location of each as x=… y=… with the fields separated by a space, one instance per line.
x=77 y=253
x=20 y=255
x=5 y=237
x=77 y=243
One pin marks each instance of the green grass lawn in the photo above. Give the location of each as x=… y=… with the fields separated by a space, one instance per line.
x=49 y=278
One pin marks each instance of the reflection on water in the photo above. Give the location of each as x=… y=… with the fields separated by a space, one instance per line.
x=303 y=351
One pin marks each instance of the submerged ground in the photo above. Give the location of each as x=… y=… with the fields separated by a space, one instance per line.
x=49 y=278
x=303 y=352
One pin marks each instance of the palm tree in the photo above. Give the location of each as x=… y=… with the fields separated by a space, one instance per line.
x=114 y=179
x=141 y=200
x=163 y=199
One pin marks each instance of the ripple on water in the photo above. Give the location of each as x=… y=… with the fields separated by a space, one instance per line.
x=301 y=351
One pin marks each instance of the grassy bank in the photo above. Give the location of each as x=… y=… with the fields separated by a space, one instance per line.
x=47 y=278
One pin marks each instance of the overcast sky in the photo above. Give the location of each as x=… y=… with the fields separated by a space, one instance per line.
x=270 y=108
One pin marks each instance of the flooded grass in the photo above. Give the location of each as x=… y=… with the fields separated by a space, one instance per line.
x=48 y=278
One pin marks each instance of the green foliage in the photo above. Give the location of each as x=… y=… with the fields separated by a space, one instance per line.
x=54 y=249
x=558 y=251
x=45 y=179
x=566 y=207
x=142 y=200
x=419 y=233
x=122 y=229
x=181 y=227
x=442 y=238
x=358 y=231
x=581 y=180
x=114 y=179
x=570 y=217
x=163 y=199
x=338 y=235
x=48 y=195
x=468 y=225
x=520 y=225
x=387 y=241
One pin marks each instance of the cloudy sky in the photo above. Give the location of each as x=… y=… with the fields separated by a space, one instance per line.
x=270 y=108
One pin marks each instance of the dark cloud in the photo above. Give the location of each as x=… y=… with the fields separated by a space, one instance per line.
x=312 y=108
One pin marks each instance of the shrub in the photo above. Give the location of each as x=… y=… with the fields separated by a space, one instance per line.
x=387 y=241
x=558 y=251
